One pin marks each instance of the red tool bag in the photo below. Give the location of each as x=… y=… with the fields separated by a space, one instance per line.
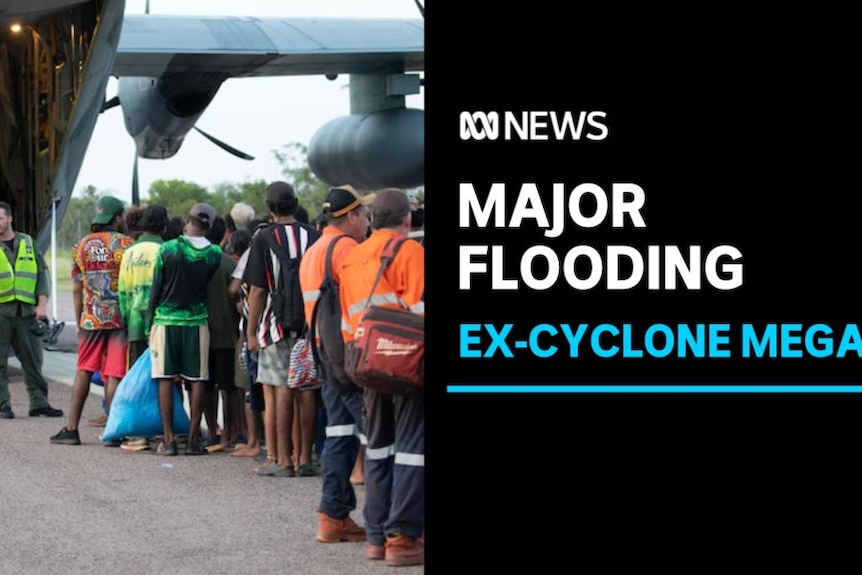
x=387 y=353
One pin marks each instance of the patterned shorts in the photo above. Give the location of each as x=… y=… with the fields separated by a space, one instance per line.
x=274 y=363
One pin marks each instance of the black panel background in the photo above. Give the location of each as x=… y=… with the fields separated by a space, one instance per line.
x=742 y=128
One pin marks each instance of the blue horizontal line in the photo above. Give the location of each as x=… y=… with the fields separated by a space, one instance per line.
x=456 y=388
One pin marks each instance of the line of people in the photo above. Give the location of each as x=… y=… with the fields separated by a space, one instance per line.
x=179 y=299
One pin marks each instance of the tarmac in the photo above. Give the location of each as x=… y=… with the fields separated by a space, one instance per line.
x=93 y=509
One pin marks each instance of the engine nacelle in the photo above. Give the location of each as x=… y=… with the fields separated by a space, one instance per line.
x=159 y=112
x=371 y=151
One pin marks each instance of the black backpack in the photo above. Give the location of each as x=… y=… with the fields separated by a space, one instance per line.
x=287 y=304
x=326 y=324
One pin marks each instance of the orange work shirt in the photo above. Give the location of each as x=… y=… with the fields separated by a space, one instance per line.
x=402 y=284
x=311 y=272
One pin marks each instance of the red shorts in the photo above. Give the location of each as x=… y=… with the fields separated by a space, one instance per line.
x=103 y=350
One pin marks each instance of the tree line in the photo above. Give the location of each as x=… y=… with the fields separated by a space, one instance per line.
x=178 y=196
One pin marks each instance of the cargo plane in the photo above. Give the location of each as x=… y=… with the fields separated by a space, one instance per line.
x=56 y=57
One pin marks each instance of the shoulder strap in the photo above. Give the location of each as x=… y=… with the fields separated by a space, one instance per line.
x=391 y=249
x=386 y=256
x=269 y=236
x=281 y=249
x=327 y=267
x=327 y=262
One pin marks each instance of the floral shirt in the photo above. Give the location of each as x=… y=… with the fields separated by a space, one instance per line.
x=96 y=264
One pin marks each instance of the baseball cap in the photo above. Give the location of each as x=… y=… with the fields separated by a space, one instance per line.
x=106 y=208
x=341 y=200
x=203 y=212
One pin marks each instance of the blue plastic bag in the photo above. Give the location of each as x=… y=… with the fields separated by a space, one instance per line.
x=135 y=409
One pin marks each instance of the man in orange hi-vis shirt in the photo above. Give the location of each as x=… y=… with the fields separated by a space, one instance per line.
x=394 y=424
x=347 y=223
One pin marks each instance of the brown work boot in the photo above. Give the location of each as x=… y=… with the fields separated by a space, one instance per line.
x=375 y=552
x=331 y=530
x=403 y=550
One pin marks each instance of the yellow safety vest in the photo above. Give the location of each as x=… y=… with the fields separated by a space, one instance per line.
x=20 y=283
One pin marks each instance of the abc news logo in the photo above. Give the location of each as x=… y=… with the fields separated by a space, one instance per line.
x=533 y=126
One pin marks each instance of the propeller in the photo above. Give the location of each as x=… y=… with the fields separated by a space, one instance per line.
x=418 y=5
x=223 y=146
x=136 y=195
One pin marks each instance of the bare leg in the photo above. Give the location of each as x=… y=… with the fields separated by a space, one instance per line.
x=231 y=416
x=79 y=397
x=269 y=421
x=284 y=410
x=197 y=404
x=210 y=407
x=295 y=431
x=252 y=448
x=166 y=407
x=110 y=390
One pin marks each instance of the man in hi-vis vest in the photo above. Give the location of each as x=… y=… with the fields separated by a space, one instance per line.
x=23 y=299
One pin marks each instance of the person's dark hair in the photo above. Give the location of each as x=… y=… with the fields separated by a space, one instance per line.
x=112 y=225
x=6 y=208
x=198 y=223
x=417 y=218
x=228 y=221
x=321 y=221
x=238 y=243
x=300 y=214
x=281 y=199
x=174 y=229
x=386 y=218
x=215 y=234
x=154 y=219
x=389 y=209
x=134 y=215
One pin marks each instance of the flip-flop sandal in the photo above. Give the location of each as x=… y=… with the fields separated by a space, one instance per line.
x=268 y=462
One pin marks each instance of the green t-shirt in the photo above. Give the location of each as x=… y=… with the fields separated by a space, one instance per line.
x=184 y=268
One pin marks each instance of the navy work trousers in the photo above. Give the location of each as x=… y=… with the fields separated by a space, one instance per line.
x=394 y=466
x=343 y=432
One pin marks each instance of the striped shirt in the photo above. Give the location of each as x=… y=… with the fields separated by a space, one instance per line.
x=264 y=267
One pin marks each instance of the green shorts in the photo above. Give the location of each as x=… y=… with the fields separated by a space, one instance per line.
x=180 y=350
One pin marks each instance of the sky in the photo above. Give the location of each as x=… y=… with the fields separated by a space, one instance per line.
x=255 y=115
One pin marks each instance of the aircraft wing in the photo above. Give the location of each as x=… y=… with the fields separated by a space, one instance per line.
x=154 y=45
